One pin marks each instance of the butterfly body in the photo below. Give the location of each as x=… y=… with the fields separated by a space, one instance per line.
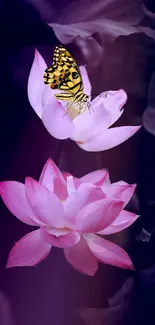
x=65 y=75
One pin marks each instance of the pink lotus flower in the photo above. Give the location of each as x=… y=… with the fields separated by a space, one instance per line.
x=89 y=130
x=69 y=212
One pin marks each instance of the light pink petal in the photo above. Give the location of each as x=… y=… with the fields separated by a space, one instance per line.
x=29 y=251
x=123 y=221
x=45 y=204
x=80 y=257
x=109 y=138
x=52 y=178
x=13 y=195
x=62 y=241
x=114 y=117
x=98 y=215
x=97 y=177
x=85 y=194
x=83 y=126
x=47 y=94
x=113 y=100
x=36 y=84
x=108 y=252
x=70 y=185
x=104 y=112
x=112 y=103
x=86 y=82
x=77 y=181
x=56 y=120
x=120 y=191
x=91 y=122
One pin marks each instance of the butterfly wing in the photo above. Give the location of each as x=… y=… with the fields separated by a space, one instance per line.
x=64 y=73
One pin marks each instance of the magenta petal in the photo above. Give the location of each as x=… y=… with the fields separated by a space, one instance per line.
x=65 y=175
x=86 y=82
x=110 y=138
x=90 y=193
x=121 y=191
x=36 y=84
x=85 y=194
x=45 y=204
x=98 y=215
x=62 y=241
x=47 y=175
x=52 y=178
x=123 y=221
x=97 y=177
x=13 y=195
x=72 y=206
x=29 y=251
x=56 y=121
x=80 y=257
x=108 y=252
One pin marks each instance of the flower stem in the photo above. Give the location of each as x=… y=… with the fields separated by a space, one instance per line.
x=60 y=150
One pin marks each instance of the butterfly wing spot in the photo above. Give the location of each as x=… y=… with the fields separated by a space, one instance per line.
x=75 y=75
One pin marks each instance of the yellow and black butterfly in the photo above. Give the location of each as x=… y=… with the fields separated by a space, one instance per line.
x=65 y=75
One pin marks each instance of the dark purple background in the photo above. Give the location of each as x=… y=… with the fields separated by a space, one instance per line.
x=53 y=292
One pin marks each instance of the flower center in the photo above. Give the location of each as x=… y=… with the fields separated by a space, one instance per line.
x=75 y=109
x=58 y=231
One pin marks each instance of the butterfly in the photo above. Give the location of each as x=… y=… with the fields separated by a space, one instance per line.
x=64 y=74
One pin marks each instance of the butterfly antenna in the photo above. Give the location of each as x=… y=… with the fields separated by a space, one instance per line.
x=69 y=104
x=89 y=107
